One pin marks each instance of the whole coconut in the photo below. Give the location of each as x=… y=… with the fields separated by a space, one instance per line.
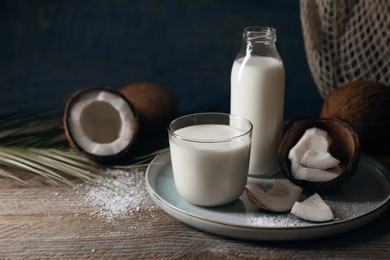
x=365 y=106
x=156 y=107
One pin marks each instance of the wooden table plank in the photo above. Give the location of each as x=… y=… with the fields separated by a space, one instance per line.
x=54 y=222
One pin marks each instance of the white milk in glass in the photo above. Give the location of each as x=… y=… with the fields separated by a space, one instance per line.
x=257 y=94
x=208 y=171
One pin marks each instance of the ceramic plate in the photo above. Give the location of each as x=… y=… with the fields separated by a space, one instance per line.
x=360 y=200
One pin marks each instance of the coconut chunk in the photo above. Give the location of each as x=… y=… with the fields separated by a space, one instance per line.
x=314 y=138
x=317 y=175
x=279 y=198
x=310 y=159
x=313 y=209
x=319 y=160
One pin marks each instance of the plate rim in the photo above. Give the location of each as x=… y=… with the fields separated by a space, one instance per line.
x=360 y=219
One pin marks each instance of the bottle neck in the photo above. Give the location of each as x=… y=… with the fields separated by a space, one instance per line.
x=259 y=41
x=255 y=35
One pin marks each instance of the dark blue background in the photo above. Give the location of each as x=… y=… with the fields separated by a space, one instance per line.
x=48 y=49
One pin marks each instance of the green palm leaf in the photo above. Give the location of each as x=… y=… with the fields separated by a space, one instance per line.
x=37 y=144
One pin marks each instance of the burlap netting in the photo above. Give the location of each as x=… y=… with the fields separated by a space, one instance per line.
x=346 y=40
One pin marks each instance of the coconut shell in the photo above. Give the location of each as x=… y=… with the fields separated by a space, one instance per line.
x=73 y=99
x=345 y=147
x=156 y=105
x=365 y=106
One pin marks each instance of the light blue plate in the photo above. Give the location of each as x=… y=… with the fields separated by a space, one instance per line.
x=357 y=202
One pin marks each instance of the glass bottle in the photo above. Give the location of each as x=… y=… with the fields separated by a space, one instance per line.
x=257 y=93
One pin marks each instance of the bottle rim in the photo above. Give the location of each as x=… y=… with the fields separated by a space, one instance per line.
x=259 y=34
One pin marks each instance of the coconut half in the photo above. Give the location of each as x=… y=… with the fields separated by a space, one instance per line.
x=101 y=123
x=344 y=147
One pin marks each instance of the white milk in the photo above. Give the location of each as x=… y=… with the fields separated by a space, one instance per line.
x=257 y=94
x=208 y=172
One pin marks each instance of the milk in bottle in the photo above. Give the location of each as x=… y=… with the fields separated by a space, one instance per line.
x=257 y=94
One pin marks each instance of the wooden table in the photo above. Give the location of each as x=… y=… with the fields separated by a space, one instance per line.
x=51 y=222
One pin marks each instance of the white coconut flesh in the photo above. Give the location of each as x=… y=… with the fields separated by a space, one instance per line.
x=101 y=123
x=280 y=198
x=310 y=157
x=313 y=209
x=319 y=160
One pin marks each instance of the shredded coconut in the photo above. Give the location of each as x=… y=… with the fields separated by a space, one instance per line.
x=266 y=219
x=120 y=194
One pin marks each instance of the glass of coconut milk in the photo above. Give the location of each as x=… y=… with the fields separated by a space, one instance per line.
x=210 y=157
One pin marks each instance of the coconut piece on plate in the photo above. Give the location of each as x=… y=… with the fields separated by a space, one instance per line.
x=313 y=209
x=279 y=198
